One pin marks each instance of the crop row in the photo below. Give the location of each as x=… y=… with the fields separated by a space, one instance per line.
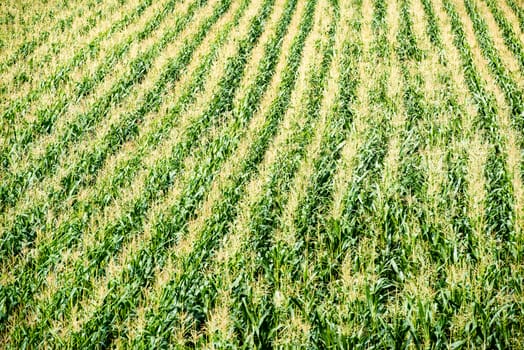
x=433 y=28
x=359 y=202
x=379 y=26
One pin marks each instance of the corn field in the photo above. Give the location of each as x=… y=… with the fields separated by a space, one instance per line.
x=331 y=174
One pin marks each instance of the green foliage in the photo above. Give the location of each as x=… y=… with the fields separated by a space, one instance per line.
x=519 y=12
x=69 y=232
x=408 y=263
x=510 y=38
x=85 y=122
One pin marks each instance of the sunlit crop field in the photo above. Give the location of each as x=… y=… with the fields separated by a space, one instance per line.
x=262 y=174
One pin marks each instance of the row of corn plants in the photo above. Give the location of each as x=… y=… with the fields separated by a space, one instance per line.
x=70 y=231
x=153 y=254
x=381 y=46
x=510 y=37
x=113 y=241
x=14 y=241
x=25 y=133
x=454 y=199
x=433 y=30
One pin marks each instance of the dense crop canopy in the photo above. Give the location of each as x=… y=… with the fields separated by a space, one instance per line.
x=262 y=174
